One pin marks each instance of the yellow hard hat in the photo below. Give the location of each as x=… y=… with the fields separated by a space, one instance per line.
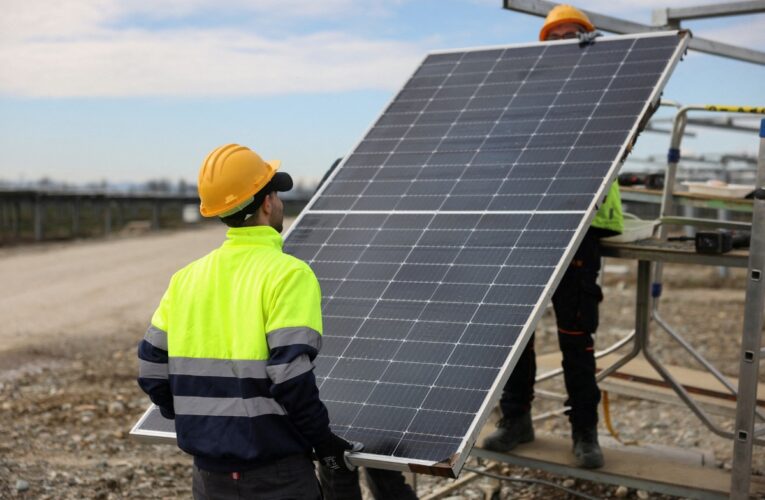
x=230 y=177
x=561 y=14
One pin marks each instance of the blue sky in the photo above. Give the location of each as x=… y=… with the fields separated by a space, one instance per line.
x=121 y=90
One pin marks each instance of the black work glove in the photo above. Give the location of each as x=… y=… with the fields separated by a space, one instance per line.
x=331 y=452
x=588 y=37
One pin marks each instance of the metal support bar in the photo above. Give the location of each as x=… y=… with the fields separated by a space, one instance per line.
x=726 y=123
x=156 y=209
x=667 y=201
x=39 y=218
x=16 y=224
x=683 y=393
x=107 y=207
x=75 y=207
x=668 y=16
x=706 y=223
x=751 y=344
x=727 y=50
x=621 y=26
x=700 y=359
x=602 y=22
x=642 y=318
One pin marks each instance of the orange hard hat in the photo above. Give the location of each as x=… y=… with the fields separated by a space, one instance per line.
x=230 y=177
x=561 y=14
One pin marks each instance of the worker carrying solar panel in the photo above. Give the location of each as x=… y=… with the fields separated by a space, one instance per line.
x=575 y=302
x=229 y=353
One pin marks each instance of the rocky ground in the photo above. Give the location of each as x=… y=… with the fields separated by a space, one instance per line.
x=67 y=404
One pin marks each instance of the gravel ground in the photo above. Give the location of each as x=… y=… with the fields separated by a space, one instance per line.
x=68 y=404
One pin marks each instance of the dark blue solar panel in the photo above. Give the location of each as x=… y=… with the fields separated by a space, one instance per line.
x=438 y=239
x=434 y=300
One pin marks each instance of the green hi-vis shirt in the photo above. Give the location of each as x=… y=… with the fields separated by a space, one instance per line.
x=247 y=285
x=610 y=216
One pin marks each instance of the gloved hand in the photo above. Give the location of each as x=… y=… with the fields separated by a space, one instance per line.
x=588 y=37
x=331 y=452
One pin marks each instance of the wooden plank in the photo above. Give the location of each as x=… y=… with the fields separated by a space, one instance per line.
x=454 y=484
x=632 y=466
x=638 y=379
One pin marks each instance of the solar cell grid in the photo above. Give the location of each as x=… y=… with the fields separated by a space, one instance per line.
x=465 y=196
x=438 y=240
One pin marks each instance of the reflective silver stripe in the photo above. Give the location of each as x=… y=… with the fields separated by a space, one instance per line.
x=226 y=407
x=290 y=336
x=147 y=369
x=207 y=367
x=156 y=337
x=286 y=371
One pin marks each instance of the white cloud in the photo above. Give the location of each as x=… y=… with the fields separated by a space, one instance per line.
x=67 y=49
x=55 y=18
x=216 y=63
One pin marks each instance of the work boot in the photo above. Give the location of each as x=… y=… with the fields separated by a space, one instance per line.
x=586 y=448
x=511 y=431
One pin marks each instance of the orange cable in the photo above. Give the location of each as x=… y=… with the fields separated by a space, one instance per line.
x=609 y=424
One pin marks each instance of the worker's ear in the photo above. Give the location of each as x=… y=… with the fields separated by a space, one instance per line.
x=267 y=205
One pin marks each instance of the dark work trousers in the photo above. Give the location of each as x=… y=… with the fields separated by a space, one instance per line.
x=575 y=303
x=288 y=478
x=384 y=485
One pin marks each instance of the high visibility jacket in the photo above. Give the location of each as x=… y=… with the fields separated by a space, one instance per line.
x=229 y=354
x=610 y=215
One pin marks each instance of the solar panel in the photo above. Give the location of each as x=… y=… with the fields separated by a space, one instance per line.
x=440 y=238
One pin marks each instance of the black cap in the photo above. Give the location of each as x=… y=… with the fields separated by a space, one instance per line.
x=281 y=182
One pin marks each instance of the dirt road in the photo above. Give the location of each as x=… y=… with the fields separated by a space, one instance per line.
x=90 y=289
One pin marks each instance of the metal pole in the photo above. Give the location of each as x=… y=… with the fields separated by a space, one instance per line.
x=39 y=217
x=76 y=217
x=16 y=223
x=642 y=319
x=120 y=214
x=751 y=343
x=667 y=202
x=155 y=213
x=673 y=16
x=107 y=217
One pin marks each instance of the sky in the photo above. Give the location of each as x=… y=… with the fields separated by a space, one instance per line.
x=132 y=90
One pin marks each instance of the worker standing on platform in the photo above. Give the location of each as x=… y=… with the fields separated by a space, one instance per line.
x=575 y=303
x=229 y=353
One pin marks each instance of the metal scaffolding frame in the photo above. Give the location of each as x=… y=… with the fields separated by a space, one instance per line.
x=649 y=284
x=751 y=345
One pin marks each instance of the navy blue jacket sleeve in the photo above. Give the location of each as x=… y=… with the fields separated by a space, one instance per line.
x=153 y=373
